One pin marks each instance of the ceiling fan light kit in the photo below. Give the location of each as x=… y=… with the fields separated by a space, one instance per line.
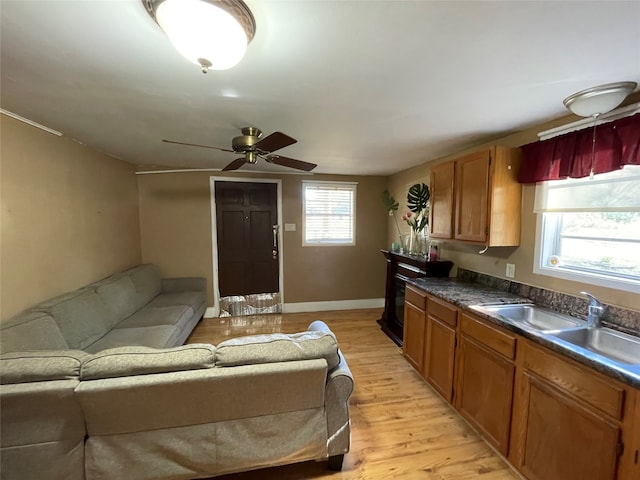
x=595 y=101
x=211 y=33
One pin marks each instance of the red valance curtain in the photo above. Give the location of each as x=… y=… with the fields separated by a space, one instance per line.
x=570 y=155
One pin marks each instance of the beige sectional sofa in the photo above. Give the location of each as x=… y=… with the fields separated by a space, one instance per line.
x=149 y=409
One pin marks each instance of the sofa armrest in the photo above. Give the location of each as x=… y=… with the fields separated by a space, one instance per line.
x=184 y=284
x=339 y=388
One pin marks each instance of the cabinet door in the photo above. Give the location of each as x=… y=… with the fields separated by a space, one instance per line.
x=472 y=197
x=413 y=338
x=484 y=391
x=563 y=439
x=439 y=356
x=441 y=201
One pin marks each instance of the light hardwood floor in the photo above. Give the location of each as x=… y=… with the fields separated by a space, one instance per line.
x=400 y=428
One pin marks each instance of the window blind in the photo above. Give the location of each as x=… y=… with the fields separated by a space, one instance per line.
x=617 y=191
x=329 y=213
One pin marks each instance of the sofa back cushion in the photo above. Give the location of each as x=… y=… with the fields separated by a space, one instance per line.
x=81 y=315
x=42 y=366
x=119 y=295
x=31 y=331
x=147 y=282
x=278 y=347
x=128 y=361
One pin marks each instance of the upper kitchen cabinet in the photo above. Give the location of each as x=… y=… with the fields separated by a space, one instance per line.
x=441 y=201
x=477 y=198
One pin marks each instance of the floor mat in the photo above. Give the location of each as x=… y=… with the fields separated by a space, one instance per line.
x=255 y=304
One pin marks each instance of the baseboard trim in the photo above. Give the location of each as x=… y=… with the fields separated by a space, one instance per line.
x=332 y=305
x=211 y=312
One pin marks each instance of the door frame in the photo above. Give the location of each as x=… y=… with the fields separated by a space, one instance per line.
x=214 y=233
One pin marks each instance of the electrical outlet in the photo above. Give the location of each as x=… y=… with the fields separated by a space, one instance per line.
x=511 y=270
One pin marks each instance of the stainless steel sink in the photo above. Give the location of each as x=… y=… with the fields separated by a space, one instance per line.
x=607 y=342
x=532 y=316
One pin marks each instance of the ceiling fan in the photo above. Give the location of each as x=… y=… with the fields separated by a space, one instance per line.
x=252 y=146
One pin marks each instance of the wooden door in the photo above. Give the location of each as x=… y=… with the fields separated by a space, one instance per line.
x=246 y=214
x=484 y=391
x=472 y=197
x=563 y=439
x=440 y=356
x=441 y=201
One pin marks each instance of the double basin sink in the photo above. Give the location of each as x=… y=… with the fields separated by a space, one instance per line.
x=615 y=346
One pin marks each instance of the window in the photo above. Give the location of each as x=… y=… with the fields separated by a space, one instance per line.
x=329 y=213
x=589 y=229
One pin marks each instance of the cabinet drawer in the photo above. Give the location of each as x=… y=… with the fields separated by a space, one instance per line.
x=443 y=311
x=415 y=297
x=498 y=340
x=577 y=380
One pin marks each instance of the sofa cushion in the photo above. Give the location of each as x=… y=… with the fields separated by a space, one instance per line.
x=151 y=316
x=31 y=331
x=81 y=315
x=147 y=281
x=128 y=361
x=191 y=299
x=160 y=336
x=278 y=347
x=46 y=365
x=119 y=294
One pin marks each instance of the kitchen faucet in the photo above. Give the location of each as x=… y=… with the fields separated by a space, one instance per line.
x=595 y=311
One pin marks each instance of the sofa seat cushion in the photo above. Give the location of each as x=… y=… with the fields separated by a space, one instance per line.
x=152 y=316
x=45 y=365
x=278 y=347
x=160 y=336
x=190 y=299
x=31 y=331
x=128 y=361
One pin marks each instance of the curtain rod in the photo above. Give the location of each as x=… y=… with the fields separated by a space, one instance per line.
x=588 y=122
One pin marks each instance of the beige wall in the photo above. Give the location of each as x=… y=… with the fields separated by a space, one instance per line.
x=69 y=216
x=175 y=221
x=494 y=261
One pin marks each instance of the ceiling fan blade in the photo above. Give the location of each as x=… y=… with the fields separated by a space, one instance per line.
x=275 y=141
x=196 y=145
x=236 y=164
x=291 y=163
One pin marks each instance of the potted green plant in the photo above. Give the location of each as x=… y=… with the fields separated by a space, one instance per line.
x=417 y=217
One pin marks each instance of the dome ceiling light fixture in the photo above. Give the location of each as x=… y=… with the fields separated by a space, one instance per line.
x=211 y=33
x=595 y=101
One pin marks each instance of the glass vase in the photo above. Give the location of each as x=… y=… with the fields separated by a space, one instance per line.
x=414 y=247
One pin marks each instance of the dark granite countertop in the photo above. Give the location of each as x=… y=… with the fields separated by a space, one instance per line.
x=464 y=295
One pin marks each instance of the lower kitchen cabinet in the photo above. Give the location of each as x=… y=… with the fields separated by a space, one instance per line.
x=414 y=327
x=484 y=379
x=440 y=346
x=552 y=417
x=567 y=420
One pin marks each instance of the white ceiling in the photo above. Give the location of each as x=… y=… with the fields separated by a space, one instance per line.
x=367 y=87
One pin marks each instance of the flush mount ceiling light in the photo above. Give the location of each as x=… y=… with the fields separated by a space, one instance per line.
x=595 y=101
x=210 y=33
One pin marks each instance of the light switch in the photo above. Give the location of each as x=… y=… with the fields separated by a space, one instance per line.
x=289 y=227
